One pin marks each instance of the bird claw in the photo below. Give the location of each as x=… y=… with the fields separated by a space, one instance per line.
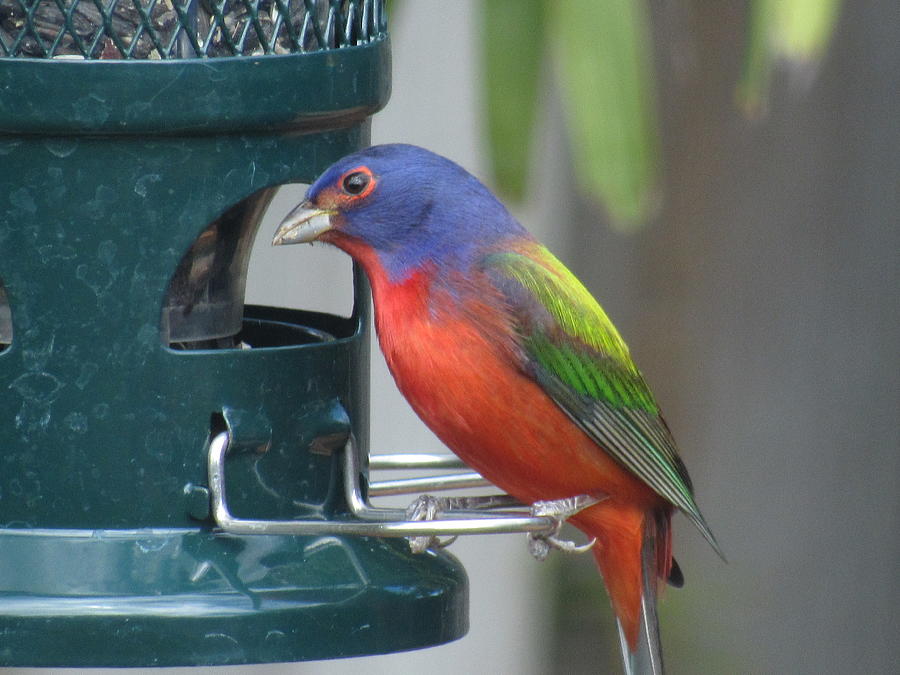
x=540 y=545
x=427 y=507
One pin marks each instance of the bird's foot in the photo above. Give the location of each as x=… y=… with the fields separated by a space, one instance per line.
x=559 y=510
x=427 y=507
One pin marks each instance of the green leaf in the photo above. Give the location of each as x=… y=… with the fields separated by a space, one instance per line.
x=797 y=31
x=513 y=39
x=608 y=92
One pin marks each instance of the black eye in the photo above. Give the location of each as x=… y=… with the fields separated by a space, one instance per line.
x=355 y=183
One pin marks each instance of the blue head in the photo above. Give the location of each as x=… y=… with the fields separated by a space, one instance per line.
x=409 y=206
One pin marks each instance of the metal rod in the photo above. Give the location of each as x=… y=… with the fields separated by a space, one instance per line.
x=405 y=486
x=417 y=460
x=368 y=520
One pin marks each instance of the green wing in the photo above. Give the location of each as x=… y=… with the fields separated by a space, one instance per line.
x=576 y=354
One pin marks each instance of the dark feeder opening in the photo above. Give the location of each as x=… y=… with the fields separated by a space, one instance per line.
x=204 y=305
x=109 y=391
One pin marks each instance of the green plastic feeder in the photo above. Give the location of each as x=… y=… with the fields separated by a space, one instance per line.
x=140 y=143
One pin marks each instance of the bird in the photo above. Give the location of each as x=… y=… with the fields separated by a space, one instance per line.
x=508 y=358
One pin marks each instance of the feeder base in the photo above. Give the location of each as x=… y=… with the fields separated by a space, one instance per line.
x=191 y=597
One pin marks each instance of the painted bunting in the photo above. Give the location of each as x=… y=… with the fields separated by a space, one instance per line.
x=508 y=358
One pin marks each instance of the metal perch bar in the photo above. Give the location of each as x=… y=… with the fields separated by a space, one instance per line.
x=405 y=486
x=415 y=460
x=367 y=520
x=402 y=486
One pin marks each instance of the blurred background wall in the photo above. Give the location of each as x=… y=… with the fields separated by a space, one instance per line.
x=762 y=306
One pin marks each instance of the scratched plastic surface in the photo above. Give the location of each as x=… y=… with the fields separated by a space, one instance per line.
x=107 y=178
x=176 y=598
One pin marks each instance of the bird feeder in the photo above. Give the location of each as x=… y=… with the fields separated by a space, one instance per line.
x=185 y=478
x=140 y=143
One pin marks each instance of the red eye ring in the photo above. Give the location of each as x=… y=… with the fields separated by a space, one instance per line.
x=358 y=183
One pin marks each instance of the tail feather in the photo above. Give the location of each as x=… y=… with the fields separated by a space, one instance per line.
x=645 y=657
x=676 y=576
x=634 y=553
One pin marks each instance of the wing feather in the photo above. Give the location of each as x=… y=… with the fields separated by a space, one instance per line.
x=575 y=353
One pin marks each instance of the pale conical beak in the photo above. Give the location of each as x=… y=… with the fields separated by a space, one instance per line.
x=304 y=224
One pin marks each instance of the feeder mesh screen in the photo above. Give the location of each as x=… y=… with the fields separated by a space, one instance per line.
x=177 y=29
